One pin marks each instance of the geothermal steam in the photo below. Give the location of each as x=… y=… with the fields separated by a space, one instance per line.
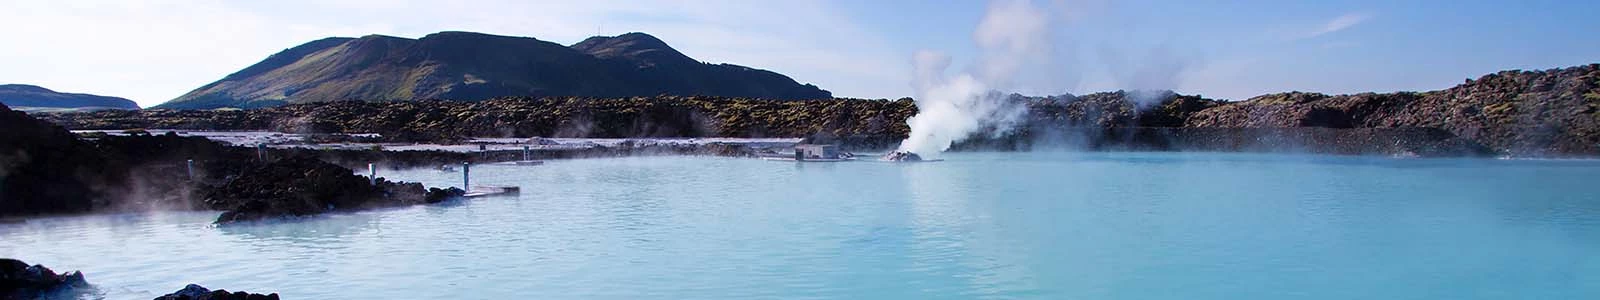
x=1011 y=35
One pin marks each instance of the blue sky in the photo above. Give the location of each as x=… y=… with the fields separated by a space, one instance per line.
x=154 y=50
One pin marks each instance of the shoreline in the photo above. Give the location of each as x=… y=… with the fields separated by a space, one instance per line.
x=1403 y=141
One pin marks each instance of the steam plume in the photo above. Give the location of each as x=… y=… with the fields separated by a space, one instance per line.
x=1012 y=35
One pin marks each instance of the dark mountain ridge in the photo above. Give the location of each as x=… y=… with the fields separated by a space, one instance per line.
x=31 y=96
x=471 y=66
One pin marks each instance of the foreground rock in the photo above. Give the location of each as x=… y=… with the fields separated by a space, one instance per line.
x=197 y=292
x=303 y=186
x=18 y=280
x=45 y=169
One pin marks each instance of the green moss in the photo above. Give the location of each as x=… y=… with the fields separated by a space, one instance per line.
x=1499 y=108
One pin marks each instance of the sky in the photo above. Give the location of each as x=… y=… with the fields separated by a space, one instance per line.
x=152 y=51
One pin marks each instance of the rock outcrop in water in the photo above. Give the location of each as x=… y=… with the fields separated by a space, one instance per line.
x=902 y=156
x=45 y=169
x=197 y=292
x=18 y=280
x=303 y=186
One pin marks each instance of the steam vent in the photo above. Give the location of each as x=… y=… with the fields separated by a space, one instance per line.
x=902 y=156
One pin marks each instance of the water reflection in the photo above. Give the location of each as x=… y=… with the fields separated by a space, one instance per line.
x=957 y=230
x=315 y=231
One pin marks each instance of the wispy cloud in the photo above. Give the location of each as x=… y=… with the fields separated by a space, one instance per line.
x=1337 y=24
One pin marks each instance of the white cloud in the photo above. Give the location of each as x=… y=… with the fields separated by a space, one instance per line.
x=154 y=50
x=1337 y=24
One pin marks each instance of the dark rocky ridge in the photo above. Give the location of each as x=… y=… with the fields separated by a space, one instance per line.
x=28 y=96
x=1101 y=121
x=1401 y=142
x=474 y=66
x=1551 y=113
x=436 y=121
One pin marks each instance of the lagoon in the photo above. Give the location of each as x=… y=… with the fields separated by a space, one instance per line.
x=1046 y=225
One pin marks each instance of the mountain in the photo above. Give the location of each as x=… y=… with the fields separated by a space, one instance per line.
x=22 y=96
x=474 y=66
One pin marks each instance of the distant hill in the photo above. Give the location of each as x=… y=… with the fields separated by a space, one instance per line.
x=29 y=97
x=474 y=66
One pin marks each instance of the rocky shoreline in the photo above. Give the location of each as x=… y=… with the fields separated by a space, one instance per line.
x=1393 y=142
x=1548 y=113
x=44 y=169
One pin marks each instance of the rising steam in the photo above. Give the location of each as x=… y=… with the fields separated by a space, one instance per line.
x=1012 y=35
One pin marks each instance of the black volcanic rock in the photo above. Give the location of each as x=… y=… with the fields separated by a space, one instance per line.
x=1114 y=109
x=444 y=121
x=1549 y=113
x=44 y=168
x=18 y=280
x=197 y=292
x=1395 y=142
x=27 y=96
x=1525 y=113
x=303 y=186
x=473 y=66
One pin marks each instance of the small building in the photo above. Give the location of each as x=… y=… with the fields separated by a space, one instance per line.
x=813 y=151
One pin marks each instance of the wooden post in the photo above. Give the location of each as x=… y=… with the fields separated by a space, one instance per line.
x=466 y=176
x=191 y=170
x=372 y=173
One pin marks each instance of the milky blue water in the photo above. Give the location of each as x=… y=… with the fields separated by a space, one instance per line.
x=980 y=225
